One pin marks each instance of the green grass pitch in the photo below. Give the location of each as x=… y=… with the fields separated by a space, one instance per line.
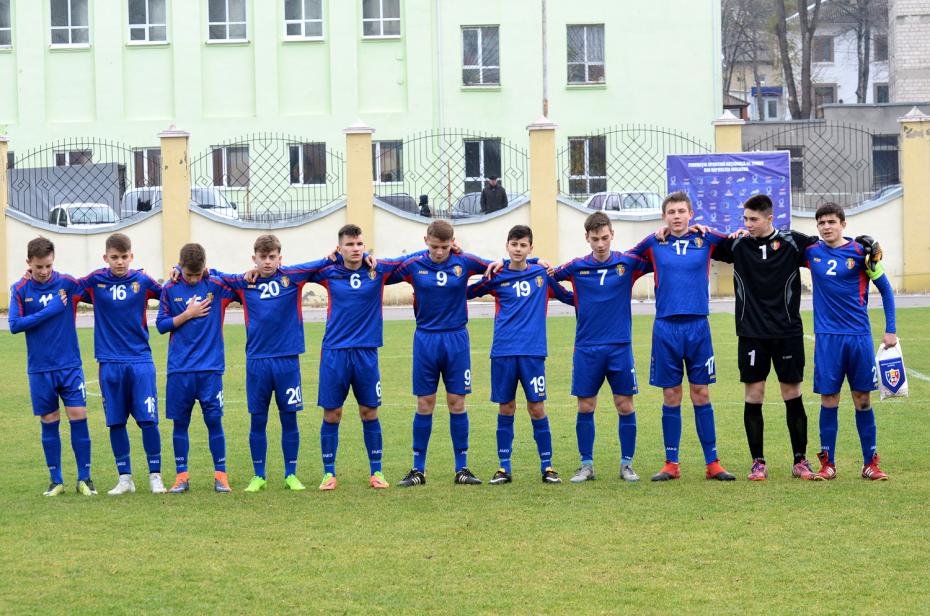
x=691 y=546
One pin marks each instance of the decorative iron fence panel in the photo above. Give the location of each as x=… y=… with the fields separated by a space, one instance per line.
x=832 y=161
x=451 y=168
x=627 y=160
x=85 y=183
x=267 y=178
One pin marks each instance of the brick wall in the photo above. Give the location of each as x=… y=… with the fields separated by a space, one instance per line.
x=909 y=49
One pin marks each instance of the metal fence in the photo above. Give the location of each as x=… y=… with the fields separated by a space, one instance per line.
x=450 y=168
x=622 y=168
x=85 y=183
x=267 y=178
x=833 y=161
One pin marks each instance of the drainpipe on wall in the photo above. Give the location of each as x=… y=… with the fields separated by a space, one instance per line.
x=438 y=26
x=545 y=65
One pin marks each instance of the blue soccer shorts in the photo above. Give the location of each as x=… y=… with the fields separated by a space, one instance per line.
x=46 y=387
x=677 y=341
x=506 y=372
x=592 y=364
x=341 y=369
x=446 y=354
x=185 y=388
x=273 y=375
x=839 y=356
x=128 y=390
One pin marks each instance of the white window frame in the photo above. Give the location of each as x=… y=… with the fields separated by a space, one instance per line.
x=481 y=66
x=227 y=24
x=875 y=87
x=9 y=19
x=146 y=26
x=766 y=102
x=586 y=177
x=376 y=161
x=67 y=157
x=300 y=164
x=482 y=178
x=302 y=23
x=69 y=28
x=380 y=20
x=586 y=63
x=225 y=185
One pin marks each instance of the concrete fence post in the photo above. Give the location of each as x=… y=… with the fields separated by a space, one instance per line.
x=544 y=215
x=915 y=183
x=4 y=240
x=360 y=191
x=175 y=193
x=728 y=139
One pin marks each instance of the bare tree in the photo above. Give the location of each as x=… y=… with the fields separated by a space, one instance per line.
x=746 y=31
x=865 y=15
x=807 y=16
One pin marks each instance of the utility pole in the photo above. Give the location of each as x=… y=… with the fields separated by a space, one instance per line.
x=545 y=64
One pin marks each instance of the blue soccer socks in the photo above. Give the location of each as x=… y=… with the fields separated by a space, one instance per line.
x=458 y=429
x=258 y=443
x=181 y=441
x=329 y=444
x=151 y=443
x=584 y=430
x=371 y=431
x=829 y=425
x=80 y=443
x=706 y=431
x=217 y=440
x=627 y=432
x=290 y=442
x=422 y=428
x=671 y=431
x=868 y=433
x=543 y=437
x=51 y=446
x=119 y=442
x=505 y=440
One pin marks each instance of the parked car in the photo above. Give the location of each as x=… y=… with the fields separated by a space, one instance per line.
x=207 y=197
x=467 y=205
x=82 y=215
x=635 y=201
x=401 y=201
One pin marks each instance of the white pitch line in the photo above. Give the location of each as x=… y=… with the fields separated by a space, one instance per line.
x=918 y=375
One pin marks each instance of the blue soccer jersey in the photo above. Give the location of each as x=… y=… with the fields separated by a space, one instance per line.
x=521 y=303
x=439 y=289
x=354 y=317
x=681 y=266
x=121 y=333
x=603 y=290
x=198 y=344
x=38 y=310
x=273 y=308
x=841 y=290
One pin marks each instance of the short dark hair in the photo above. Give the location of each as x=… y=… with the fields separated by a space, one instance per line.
x=39 y=248
x=759 y=203
x=119 y=242
x=679 y=196
x=441 y=230
x=519 y=232
x=193 y=257
x=266 y=244
x=350 y=230
x=595 y=221
x=830 y=208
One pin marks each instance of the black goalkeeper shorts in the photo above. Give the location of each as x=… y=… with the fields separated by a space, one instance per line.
x=757 y=355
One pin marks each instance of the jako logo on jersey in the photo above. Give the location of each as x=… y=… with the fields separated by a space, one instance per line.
x=285 y=281
x=621 y=270
x=539 y=281
x=179 y=299
x=584 y=272
x=850 y=263
x=457 y=270
x=100 y=285
x=372 y=274
x=135 y=287
x=422 y=272
x=697 y=242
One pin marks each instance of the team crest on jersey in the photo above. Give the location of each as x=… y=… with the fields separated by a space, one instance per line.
x=457 y=270
x=698 y=242
x=893 y=376
x=372 y=274
x=776 y=245
x=621 y=269
x=539 y=281
x=850 y=263
x=62 y=293
x=285 y=281
x=135 y=287
x=210 y=296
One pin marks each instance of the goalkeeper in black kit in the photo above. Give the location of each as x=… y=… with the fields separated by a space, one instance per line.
x=767 y=282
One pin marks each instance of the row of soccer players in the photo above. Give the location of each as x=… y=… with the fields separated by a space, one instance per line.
x=192 y=307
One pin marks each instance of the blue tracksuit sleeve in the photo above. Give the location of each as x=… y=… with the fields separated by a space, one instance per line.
x=884 y=287
x=483 y=287
x=559 y=292
x=164 y=321
x=20 y=323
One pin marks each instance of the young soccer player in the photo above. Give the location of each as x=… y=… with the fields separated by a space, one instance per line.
x=44 y=307
x=349 y=357
x=440 y=344
x=681 y=332
x=841 y=273
x=192 y=310
x=274 y=342
x=121 y=345
x=518 y=354
x=603 y=286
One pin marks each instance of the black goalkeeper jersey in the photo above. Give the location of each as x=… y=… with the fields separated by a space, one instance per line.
x=767 y=282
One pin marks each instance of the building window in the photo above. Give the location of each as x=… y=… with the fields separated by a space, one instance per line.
x=586 y=54
x=823 y=95
x=308 y=163
x=147 y=162
x=587 y=165
x=6 y=24
x=771 y=108
x=481 y=56
x=796 y=152
x=880 y=42
x=482 y=160
x=70 y=22
x=387 y=161
x=380 y=18
x=148 y=21
x=231 y=166
x=227 y=20
x=822 y=49
x=885 y=170
x=303 y=19
x=881 y=93
x=10 y=160
x=73 y=157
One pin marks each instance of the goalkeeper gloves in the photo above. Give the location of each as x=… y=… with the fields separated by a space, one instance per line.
x=872 y=250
